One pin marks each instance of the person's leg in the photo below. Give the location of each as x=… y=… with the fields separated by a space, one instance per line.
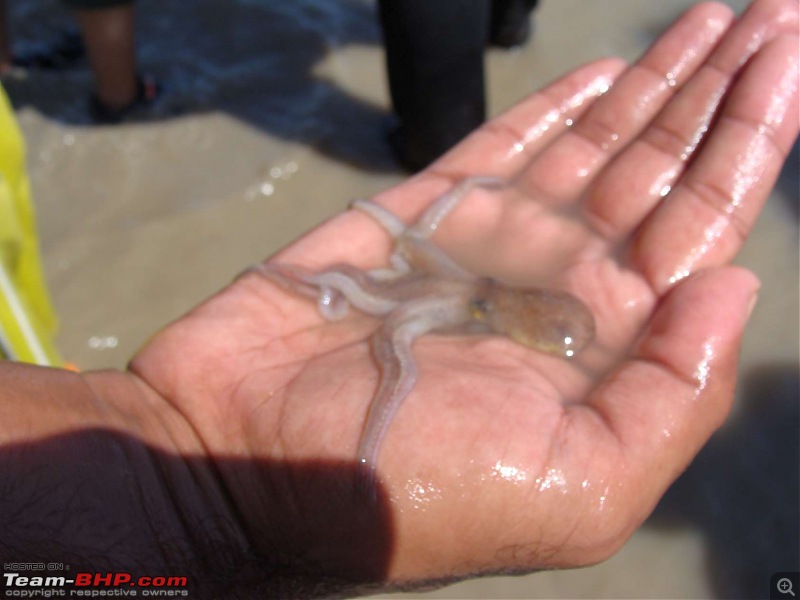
x=6 y=56
x=108 y=34
x=510 y=24
x=434 y=55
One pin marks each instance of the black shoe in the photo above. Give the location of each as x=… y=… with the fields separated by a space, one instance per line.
x=148 y=92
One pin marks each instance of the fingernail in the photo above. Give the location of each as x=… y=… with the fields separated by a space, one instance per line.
x=755 y=289
x=752 y=304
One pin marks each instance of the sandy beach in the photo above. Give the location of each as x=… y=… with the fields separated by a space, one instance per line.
x=273 y=119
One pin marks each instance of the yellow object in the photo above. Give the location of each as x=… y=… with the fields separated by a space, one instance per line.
x=27 y=319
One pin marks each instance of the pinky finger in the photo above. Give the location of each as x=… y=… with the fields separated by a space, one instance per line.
x=704 y=221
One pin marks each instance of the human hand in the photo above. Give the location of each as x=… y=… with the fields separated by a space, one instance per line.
x=503 y=458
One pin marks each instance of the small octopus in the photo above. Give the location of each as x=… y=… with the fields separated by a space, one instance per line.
x=424 y=290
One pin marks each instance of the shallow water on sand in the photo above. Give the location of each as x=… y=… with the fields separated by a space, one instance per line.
x=273 y=119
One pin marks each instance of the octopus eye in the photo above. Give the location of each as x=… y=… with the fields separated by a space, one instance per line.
x=478 y=307
x=566 y=337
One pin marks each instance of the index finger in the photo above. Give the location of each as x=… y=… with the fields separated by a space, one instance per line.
x=501 y=147
x=704 y=221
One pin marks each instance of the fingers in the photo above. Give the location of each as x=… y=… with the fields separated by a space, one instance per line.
x=708 y=215
x=504 y=145
x=614 y=120
x=646 y=171
x=664 y=403
x=499 y=148
x=510 y=140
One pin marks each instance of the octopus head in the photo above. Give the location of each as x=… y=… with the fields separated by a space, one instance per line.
x=551 y=321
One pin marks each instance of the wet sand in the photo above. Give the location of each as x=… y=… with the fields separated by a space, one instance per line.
x=283 y=106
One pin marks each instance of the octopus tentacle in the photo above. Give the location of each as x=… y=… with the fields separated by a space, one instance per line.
x=398 y=376
x=442 y=206
x=392 y=348
x=422 y=290
x=388 y=220
x=357 y=287
x=396 y=228
x=289 y=277
x=332 y=304
x=329 y=286
x=416 y=242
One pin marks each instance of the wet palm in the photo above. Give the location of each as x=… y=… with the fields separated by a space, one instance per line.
x=503 y=457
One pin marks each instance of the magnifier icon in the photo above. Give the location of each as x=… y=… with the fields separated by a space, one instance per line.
x=784 y=586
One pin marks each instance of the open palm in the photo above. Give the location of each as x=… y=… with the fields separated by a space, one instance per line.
x=504 y=458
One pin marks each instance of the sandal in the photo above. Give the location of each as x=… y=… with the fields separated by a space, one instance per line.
x=148 y=92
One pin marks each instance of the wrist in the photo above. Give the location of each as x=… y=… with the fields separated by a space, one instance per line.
x=95 y=474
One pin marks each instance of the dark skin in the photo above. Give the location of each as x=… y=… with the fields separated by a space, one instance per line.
x=109 y=36
x=5 y=43
x=238 y=423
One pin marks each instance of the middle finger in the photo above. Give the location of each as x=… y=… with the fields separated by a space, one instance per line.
x=562 y=172
x=636 y=181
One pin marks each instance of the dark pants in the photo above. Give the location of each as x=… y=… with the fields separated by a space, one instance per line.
x=434 y=55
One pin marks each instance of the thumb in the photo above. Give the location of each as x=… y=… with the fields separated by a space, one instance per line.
x=677 y=388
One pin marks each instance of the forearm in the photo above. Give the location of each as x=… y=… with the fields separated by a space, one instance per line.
x=100 y=473
x=97 y=472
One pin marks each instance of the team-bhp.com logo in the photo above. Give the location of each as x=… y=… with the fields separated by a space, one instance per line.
x=95 y=585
